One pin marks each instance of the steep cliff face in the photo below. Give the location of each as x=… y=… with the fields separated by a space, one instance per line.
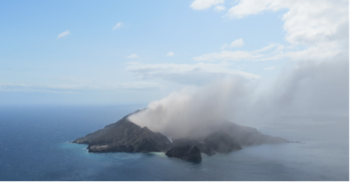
x=125 y=136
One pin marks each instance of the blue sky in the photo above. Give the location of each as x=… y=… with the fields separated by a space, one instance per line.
x=119 y=52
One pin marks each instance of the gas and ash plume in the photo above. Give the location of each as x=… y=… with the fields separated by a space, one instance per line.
x=310 y=90
x=195 y=111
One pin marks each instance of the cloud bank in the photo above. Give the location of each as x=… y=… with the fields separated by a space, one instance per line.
x=196 y=74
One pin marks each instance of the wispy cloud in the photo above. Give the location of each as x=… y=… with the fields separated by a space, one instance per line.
x=219 y=8
x=319 y=52
x=270 y=68
x=63 y=34
x=224 y=55
x=142 y=86
x=117 y=26
x=235 y=43
x=199 y=73
x=205 y=4
x=132 y=56
x=170 y=53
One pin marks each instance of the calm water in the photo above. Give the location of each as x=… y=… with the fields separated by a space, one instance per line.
x=34 y=147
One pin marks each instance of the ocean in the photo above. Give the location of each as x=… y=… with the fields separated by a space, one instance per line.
x=34 y=146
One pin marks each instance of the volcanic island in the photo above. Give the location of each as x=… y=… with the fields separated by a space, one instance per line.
x=126 y=136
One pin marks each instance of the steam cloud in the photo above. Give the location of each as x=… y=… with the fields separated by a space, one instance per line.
x=310 y=90
x=194 y=111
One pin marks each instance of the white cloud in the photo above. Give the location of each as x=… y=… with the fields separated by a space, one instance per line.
x=316 y=31
x=306 y=21
x=270 y=68
x=199 y=73
x=269 y=47
x=63 y=34
x=317 y=52
x=219 y=8
x=132 y=56
x=118 y=26
x=170 y=53
x=270 y=52
x=235 y=43
x=205 y=4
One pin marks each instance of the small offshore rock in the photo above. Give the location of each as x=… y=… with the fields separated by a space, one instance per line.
x=188 y=153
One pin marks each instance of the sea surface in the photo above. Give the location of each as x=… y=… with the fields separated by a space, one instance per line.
x=34 y=146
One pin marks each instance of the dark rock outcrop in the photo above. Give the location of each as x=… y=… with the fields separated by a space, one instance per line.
x=188 y=153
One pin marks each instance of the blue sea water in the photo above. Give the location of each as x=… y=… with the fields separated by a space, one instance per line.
x=33 y=146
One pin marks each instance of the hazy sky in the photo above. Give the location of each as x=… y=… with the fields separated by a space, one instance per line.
x=118 y=52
